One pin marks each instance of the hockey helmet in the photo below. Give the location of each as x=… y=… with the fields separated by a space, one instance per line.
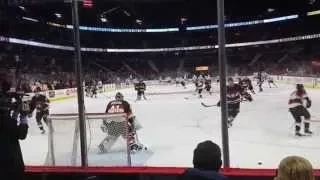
x=230 y=81
x=119 y=96
x=300 y=87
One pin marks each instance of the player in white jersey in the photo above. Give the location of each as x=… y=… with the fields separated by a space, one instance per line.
x=271 y=82
x=298 y=109
x=199 y=87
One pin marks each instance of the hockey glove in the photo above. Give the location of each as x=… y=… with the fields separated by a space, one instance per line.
x=23 y=120
x=308 y=105
x=249 y=98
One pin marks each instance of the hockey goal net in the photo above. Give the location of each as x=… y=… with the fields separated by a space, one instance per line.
x=64 y=140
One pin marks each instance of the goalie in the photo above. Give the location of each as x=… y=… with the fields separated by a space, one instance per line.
x=115 y=126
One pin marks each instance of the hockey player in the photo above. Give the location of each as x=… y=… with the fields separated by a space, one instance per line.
x=207 y=85
x=140 y=87
x=94 y=91
x=199 y=87
x=114 y=129
x=88 y=91
x=260 y=81
x=247 y=84
x=235 y=94
x=177 y=80
x=183 y=83
x=270 y=81
x=41 y=103
x=297 y=109
x=100 y=86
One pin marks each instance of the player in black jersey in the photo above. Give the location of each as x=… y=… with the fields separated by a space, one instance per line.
x=94 y=91
x=41 y=103
x=246 y=83
x=207 y=85
x=140 y=87
x=235 y=94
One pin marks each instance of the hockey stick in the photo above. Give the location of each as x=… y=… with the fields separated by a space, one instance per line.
x=206 y=105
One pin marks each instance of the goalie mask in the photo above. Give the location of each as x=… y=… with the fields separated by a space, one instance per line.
x=119 y=96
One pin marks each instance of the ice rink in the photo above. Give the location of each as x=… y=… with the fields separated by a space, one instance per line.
x=174 y=122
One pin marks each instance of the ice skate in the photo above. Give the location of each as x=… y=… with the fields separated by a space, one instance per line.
x=137 y=148
x=308 y=132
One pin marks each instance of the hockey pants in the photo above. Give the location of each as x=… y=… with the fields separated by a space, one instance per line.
x=116 y=129
x=233 y=110
x=42 y=115
x=297 y=112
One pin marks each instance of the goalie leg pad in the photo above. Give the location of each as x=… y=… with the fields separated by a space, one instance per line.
x=107 y=143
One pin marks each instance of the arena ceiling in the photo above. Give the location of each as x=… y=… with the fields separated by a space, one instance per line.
x=159 y=13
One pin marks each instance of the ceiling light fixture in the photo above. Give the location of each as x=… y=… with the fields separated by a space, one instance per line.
x=270 y=10
x=22 y=8
x=183 y=19
x=139 y=21
x=58 y=15
x=103 y=19
x=126 y=13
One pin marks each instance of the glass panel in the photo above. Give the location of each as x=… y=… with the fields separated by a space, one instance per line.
x=277 y=51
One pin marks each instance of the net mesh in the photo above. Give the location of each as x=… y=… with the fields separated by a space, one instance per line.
x=64 y=139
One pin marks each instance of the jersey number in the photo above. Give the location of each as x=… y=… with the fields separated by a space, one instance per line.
x=116 y=109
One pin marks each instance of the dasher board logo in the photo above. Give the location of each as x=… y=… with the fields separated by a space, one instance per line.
x=52 y=94
x=70 y=91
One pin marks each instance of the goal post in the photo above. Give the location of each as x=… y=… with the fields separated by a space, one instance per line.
x=68 y=154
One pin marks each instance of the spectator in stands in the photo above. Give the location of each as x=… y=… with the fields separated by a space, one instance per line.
x=207 y=162
x=294 y=168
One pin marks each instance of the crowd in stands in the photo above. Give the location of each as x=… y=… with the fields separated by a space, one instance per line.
x=55 y=77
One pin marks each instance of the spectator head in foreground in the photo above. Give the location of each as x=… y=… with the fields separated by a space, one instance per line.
x=295 y=168
x=207 y=163
x=207 y=156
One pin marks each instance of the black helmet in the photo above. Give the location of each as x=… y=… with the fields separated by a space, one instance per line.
x=300 y=87
x=119 y=96
x=38 y=89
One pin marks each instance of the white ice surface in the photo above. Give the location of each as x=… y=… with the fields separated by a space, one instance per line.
x=173 y=125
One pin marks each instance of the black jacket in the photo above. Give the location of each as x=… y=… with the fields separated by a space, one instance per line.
x=196 y=174
x=11 y=161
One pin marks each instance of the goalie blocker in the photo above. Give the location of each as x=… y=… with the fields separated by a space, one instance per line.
x=120 y=122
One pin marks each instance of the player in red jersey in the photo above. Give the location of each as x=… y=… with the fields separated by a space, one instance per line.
x=115 y=129
x=40 y=103
x=298 y=109
x=235 y=94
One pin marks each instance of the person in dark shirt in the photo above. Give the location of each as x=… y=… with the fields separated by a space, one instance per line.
x=13 y=127
x=207 y=163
